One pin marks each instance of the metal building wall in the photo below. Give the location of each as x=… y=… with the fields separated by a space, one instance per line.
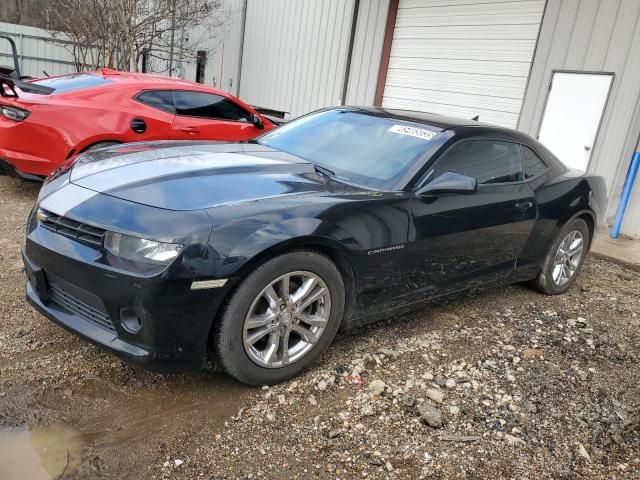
x=595 y=36
x=367 y=51
x=295 y=54
x=223 y=49
x=37 y=51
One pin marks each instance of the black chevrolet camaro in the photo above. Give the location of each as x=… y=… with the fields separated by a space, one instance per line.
x=258 y=253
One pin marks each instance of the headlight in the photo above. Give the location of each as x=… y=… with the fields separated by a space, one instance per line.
x=140 y=249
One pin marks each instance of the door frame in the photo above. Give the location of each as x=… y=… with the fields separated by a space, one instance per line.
x=604 y=109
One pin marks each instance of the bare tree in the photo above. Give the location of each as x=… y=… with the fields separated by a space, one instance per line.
x=122 y=33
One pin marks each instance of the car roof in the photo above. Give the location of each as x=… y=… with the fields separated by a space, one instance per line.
x=143 y=81
x=433 y=119
x=460 y=126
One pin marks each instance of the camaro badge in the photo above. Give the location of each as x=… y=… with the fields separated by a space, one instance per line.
x=385 y=249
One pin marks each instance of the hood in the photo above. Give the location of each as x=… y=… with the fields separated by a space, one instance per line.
x=194 y=175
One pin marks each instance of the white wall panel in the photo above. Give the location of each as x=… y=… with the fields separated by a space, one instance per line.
x=295 y=54
x=595 y=36
x=463 y=57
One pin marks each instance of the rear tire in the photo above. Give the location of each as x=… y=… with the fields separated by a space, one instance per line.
x=292 y=329
x=561 y=266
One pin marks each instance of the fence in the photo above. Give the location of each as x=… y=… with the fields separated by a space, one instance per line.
x=37 y=50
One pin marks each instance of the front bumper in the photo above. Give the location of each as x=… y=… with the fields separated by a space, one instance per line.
x=7 y=168
x=65 y=285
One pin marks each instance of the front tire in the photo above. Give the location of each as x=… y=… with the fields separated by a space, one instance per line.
x=280 y=319
x=564 y=260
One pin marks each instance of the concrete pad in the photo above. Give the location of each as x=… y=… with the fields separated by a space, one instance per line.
x=623 y=249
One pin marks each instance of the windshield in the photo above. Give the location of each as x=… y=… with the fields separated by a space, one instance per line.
x=359 y=146
x=76 y=81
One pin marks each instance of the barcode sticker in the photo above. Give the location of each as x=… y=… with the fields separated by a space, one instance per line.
x=413 y=131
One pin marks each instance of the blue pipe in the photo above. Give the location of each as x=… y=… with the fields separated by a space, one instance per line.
x=626 y=193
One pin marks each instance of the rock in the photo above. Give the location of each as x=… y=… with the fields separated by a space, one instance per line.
x=265 y=387
x=450 y=383
x=454 y=410
x=67 y=392
x=377 y=387
x=431 y=415
x=440 y=381
x=281 y=399
x=435 y=394
x=312 y=400
x=334 y=433
x=582 y=452
x=533 y=353
x=322 y=385
x=460 y=438
x=409 y=402
x=367 y=410
x=512 y=441
x=530 y=407
x=511 y=378
x=178 y=462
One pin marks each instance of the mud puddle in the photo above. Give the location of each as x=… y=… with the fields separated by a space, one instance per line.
x=41 y=453
x=102 y=428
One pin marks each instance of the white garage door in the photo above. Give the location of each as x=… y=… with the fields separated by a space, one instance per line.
x=463 y=57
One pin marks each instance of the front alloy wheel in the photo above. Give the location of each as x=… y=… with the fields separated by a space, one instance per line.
x=280 y=318
x=286 y=319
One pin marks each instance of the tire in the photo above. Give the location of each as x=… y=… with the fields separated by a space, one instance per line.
x=98 y=145
x=234 y=330
x=545 y=281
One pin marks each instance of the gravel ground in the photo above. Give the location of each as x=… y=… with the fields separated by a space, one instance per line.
x=505 y=384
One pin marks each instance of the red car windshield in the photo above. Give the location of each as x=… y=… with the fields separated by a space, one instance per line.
x=76 y=81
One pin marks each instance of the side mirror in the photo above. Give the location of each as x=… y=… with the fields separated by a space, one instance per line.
x=449 y=182
x=257 y=122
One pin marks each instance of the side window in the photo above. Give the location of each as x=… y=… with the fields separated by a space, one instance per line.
x=488 y=161
x=161 y=99
x=532 y=165
x=208 y=105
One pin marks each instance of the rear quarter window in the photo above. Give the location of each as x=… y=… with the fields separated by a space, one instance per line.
x=532 y=164
x=160 y=99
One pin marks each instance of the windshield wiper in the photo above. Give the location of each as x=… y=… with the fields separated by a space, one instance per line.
x=327 y=172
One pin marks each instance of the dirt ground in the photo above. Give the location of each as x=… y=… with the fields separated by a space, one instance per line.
x=505 y=384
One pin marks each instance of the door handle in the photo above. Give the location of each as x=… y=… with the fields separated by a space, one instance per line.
x=524 y=206
x=189 y=130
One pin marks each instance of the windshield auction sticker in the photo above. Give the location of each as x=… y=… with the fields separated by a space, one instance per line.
x=414 y=132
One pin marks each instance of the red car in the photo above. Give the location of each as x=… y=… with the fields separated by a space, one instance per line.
x=46 y=121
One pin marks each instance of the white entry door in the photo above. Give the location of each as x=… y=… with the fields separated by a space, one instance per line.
x=572 y=116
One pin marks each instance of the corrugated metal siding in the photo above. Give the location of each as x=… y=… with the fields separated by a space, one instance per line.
x=590 y=35
x=38 y=51
x=223 y=50
x=295 y=54
x=367 y=51
x=463 y=57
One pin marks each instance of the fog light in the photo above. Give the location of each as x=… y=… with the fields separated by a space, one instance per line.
x=130 y=321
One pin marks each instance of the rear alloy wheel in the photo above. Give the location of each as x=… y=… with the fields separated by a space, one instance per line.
x=568 y=258
x=280 y=319
x=564 y=259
